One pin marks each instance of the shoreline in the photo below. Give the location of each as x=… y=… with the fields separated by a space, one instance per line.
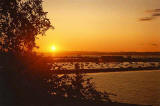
x=105 y=70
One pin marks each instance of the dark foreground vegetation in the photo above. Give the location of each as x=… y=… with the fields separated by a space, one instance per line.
x=28 y=81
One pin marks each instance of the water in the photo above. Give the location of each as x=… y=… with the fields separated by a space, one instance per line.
x=135 y=87
x=93 y=65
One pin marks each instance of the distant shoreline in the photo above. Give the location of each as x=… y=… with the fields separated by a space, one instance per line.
x=105 y=70
x=100 y=53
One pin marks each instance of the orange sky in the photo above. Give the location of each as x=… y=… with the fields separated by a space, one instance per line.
x=101 y=25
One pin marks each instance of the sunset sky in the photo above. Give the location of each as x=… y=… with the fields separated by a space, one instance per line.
x=101 y=25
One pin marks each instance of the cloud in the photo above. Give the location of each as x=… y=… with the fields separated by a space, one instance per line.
x=146 y=19
x=149 y=44
x=154 y=44
x=156 y=10
x=153 y=14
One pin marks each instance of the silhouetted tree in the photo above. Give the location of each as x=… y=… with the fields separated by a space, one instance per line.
x=75 y=89
x=20 y=23
x=29 y=78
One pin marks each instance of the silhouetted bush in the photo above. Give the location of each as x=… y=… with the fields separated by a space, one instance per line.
x=31 y=81
x=29 y=78
x=75 y=88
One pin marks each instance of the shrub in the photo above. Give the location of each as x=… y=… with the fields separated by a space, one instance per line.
x=31 y=81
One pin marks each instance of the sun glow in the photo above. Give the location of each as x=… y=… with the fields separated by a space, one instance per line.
x=53 y=48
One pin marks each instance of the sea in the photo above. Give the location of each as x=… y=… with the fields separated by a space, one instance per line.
x=134 y=87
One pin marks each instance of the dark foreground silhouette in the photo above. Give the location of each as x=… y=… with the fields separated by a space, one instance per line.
x=28 y=81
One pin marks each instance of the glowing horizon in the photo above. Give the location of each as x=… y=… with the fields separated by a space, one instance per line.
x=101 y=25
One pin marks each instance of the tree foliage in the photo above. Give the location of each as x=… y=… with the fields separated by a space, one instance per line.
x=20 y=23
x=29 y=77
x=76 y=88
x=31 y=80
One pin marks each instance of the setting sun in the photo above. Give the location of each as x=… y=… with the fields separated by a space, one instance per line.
x=53 y=48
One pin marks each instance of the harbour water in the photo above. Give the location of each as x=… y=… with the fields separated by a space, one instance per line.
x=135 y=87
x=100 y=65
